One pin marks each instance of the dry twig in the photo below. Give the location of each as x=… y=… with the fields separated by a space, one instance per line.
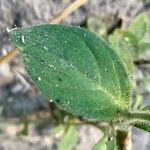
x=67 y=11
x=9 y=56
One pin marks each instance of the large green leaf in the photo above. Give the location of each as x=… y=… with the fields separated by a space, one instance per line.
x=75 y=68
x=138 y=27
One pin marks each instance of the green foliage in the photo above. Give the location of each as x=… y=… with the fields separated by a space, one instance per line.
x=146 y=108
x=106 y=144
x=124 y=43
x=58 y=130
x=67 y=134
x=138 y=102
x=69 y=138
x=95 y=25
x=138 y=27
x=143 y=47
x=24 y=130
x=85 y=76
x=112 y=145
x=75 y=68
x=145 y=125
x=101 y=144
x=132 y=40
x=144 y=122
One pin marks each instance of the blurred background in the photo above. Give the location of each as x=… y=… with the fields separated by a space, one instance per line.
x=29 y=121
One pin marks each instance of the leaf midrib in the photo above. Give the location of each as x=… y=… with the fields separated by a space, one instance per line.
x=98 y=86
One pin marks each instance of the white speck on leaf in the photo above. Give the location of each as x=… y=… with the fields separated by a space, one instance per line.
x=84 y=35
x=23 y=39
x=45 y=48
x=39 y=78
x=126 y=39
x=51 y=100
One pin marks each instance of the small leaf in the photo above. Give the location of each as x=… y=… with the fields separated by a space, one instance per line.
x=141 y=115
x=24 y=130
x=69 y=139
x=125 y=45
x=144 y=46
x=141 y=118
x=95 y=25
x=58 y=130
x=138 y=27
x=137 y=102
x=112 y=145
x=102 y=144
x=105 y=144
x=146 y=108
x=75 y=68
x=144 y=125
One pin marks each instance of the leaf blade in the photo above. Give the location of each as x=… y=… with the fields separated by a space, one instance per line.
x=101 y=144
x=139 y=26
x=144 y=125
x=73 y=70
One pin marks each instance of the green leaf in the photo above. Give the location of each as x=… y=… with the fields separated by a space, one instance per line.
x=24 y=131
x=95 y=25
x=137 y=102
x=125 y=45
x=58 y=130
x=138 y=27
x=69 y=139
x=105 y=144
x=144 y=125
x=112 y=145
x=141 y=118
x=144 y=46
x=140 y=115
x=102 y=144
x=75 y=68
x=146 y=108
